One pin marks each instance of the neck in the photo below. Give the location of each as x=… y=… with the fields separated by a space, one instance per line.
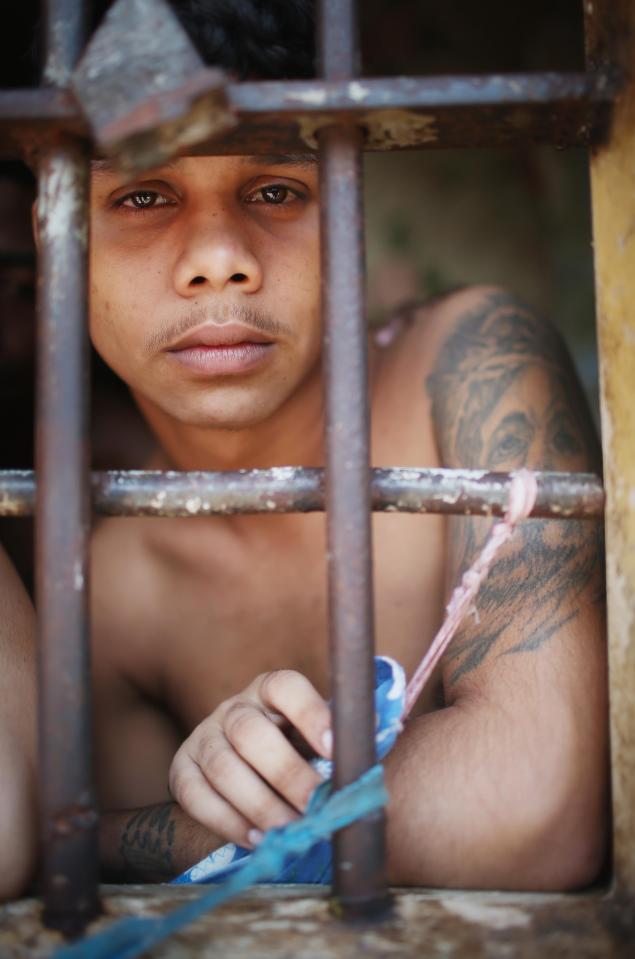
x=292 y=436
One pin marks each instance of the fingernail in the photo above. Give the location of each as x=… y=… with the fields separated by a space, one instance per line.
x=327 y=742
x=255 y=837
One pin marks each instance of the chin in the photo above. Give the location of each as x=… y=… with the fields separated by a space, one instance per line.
x=233 y=417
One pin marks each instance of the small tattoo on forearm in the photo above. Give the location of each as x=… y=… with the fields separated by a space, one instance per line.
x=147 y=843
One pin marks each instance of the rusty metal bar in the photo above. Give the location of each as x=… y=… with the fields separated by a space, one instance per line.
x=359 y=879
x=67 y=803
x=567 y=109
x=296 y=489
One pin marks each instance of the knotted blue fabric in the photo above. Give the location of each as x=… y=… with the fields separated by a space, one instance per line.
x=298 y=852
x=314 y=866
x=132 y=936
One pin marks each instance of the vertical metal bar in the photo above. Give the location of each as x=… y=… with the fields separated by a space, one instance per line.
x=610 y=26
x=68 y=814
x=359 y=871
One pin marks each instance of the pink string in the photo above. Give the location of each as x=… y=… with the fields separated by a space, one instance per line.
x=522 y=498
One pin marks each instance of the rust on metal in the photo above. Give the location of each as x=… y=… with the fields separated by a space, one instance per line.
x=565 y=109
x=144 y=88
x=402 y=112
x=611 y=38
x=62 y=529
x=359 y=878
x=76 y=819
x=69 y=861
x=286 y=489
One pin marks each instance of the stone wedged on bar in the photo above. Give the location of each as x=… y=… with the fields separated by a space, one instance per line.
x=144 y=88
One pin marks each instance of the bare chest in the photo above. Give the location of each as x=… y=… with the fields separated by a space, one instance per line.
x=268 y=610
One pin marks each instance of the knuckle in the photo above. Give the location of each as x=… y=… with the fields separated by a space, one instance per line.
x=240 y=724
x=275 y=684
x=216 y=761
x=183 y=788
x=272 y=815
x=297 y=783
x=310 y=716
x=178 y=772
x=290 y=781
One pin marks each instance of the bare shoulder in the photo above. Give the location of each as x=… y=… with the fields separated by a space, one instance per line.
x=422 y=335
x=502 y=387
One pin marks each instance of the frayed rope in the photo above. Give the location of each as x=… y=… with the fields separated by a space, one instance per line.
x=522 y=499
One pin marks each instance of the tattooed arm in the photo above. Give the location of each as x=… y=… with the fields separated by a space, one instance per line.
x=506 y=786
x=153 y=844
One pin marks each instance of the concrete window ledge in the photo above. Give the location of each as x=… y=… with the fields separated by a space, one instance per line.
x=295 y=922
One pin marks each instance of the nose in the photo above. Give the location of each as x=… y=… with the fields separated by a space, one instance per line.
x=216 y=256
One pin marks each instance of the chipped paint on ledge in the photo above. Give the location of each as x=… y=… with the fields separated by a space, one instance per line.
x=276 y=922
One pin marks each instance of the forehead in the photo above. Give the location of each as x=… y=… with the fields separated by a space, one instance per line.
x=301 y=160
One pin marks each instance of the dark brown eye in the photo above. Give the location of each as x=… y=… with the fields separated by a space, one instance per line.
x=274 y=194
x=143 y=200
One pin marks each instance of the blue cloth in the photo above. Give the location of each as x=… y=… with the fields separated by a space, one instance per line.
x=314 y=866
x=132 y=936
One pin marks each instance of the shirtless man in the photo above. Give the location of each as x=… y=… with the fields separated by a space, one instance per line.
x=211 y=632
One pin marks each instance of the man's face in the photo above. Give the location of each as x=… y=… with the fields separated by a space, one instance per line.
x=205 y=285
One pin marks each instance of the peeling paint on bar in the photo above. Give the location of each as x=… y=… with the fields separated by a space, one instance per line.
x=59 y=203
x=315 y=96
x=69 y=857
x=359 y=870
x=358 y=91
x=288 y=489
x=563 y=109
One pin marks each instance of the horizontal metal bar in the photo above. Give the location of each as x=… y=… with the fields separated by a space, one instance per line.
x=566 y=109
x=417 y=93
x=294 y=489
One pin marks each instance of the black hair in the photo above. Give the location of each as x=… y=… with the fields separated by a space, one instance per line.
x=252 y=39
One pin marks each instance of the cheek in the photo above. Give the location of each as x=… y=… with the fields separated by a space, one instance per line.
x=116 y=297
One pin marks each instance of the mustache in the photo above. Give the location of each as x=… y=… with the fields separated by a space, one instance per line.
x=257 y=319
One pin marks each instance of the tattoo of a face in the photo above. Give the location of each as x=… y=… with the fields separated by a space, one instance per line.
x=504 y=395
x=146 y=843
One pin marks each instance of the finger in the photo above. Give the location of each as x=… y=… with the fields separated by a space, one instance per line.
x=266 y=749
x=291 y=694
x=195 y=796
x=243 y=788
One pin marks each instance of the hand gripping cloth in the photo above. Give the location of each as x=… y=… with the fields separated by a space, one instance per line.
x=314 y=866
